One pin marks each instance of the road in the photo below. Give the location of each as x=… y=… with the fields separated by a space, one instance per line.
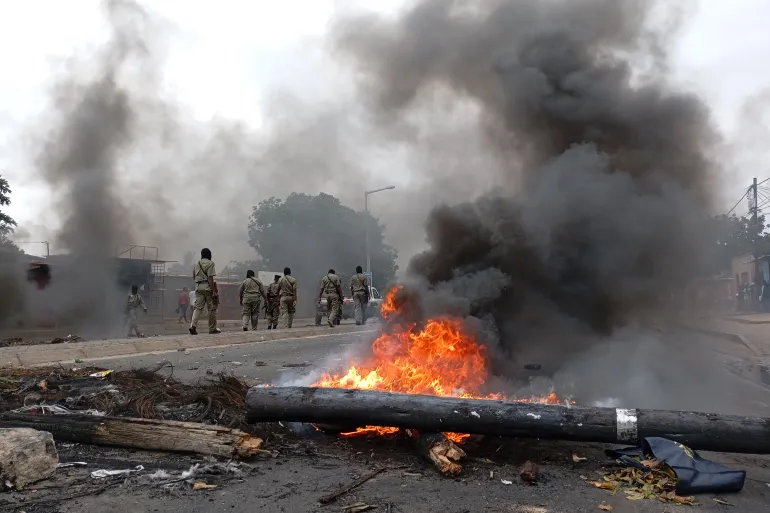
x=275 y=362
x=308 y=468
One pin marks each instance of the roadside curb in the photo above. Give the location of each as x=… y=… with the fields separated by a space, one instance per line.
x=738 y=320
x=726 y=335
x=46 y=354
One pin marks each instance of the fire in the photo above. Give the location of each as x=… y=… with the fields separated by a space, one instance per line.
x=438 y=358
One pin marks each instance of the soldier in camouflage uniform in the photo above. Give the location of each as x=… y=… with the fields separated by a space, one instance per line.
x=250 y=293
x=288 y=292
x=273 y=303
x=331 y=285
x=134 y=302
x=206 y=292
x=359 y=291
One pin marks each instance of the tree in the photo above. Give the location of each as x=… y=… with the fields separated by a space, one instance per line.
x=733 y=236
x=185 y=266
x=237 y=271
x=312 y=234
x=8 y=250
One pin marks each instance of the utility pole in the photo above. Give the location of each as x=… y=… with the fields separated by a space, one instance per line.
x=755 y=232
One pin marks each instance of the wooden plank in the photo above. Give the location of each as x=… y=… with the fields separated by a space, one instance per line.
x=149 y=434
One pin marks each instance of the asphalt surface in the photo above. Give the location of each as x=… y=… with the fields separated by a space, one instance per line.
x=307 y=468
x=274 y=362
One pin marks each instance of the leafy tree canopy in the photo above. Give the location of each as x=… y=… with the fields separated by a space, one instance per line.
x=236 y=271
x=8 y=250
x=735 y=236
x=185 y=266
x=312 y=234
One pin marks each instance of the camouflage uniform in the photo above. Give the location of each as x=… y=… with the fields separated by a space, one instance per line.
x=204 y=296
x=288 y=286
x=135 y=301
x=273 y=305
x=251 y=291
x=359 y=287
x=331 y=285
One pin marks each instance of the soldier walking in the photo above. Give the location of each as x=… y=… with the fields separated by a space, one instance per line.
x=205 y=292
x=288 y=297
x=135 y=301
x=331 y=285
x=273 y=303
x=359 y=291
x=250 y=294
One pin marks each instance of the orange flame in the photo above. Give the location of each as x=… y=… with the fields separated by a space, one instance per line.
x=439 y=359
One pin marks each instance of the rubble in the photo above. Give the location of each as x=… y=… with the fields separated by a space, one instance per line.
x=26 y=456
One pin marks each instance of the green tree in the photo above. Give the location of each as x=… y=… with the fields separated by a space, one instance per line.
x=733 y=236
x=185 y=266
x=236 y=271
x=312 y=234
x=8 y=250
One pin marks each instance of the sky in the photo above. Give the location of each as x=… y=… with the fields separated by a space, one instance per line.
x=224 y=62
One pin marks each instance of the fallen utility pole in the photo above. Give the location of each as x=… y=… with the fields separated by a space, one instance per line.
x=703 y=431
x=148 y=434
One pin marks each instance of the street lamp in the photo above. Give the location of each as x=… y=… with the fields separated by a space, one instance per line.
x=366 y=224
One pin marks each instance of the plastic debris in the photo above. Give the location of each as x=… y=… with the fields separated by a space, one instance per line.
x=101 y=474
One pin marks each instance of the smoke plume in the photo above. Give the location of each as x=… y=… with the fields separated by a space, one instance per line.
x=601 y=169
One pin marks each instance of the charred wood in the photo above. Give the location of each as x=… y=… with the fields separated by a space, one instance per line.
x=148 y=434
x=703 y=431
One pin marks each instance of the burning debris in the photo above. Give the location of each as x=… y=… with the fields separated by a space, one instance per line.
x=435 y=357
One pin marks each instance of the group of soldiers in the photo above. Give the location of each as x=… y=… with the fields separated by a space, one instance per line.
x=280 y=297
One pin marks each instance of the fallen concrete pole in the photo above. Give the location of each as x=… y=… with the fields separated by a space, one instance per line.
x=703 y=431
x=148 y=434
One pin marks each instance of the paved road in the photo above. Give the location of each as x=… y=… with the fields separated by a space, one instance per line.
x=261 y=362
x=307 y=469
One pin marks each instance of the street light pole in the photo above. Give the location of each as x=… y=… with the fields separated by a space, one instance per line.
x=366 y=222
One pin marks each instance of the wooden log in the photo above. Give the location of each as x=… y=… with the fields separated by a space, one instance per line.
x=149 y=434
x=702 y=431
x=440 y=450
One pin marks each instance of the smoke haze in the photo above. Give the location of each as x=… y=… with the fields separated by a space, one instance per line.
x=602 y=171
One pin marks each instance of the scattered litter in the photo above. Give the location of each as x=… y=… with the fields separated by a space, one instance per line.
x=605 y=507
x=578 y=459
x=413 y=474
x=100 y=474
x=491 y=474
x=259 y=363
x=236 y=364
x=55 y=409
x=358 y=507
x=100 y=374
x=506 y=482
x=475 y=414
x=209 y=372
x=721 y=501
x=303 y=364
x=200 y=485
x=672 y=471
x=72 y=464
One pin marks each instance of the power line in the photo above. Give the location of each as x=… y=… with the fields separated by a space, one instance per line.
x=738 y=202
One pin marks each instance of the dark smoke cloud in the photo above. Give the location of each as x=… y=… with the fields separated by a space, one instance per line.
x=602 y=171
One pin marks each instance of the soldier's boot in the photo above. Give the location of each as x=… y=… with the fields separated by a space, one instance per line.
x=193 y=330
x=215 y=331
x=245 y=328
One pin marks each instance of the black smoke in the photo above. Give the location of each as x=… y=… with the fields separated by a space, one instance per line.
x=602 y=175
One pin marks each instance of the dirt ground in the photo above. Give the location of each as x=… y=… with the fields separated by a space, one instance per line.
x=305 y=469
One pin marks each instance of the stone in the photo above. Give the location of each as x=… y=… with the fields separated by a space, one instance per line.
x=26 y=456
